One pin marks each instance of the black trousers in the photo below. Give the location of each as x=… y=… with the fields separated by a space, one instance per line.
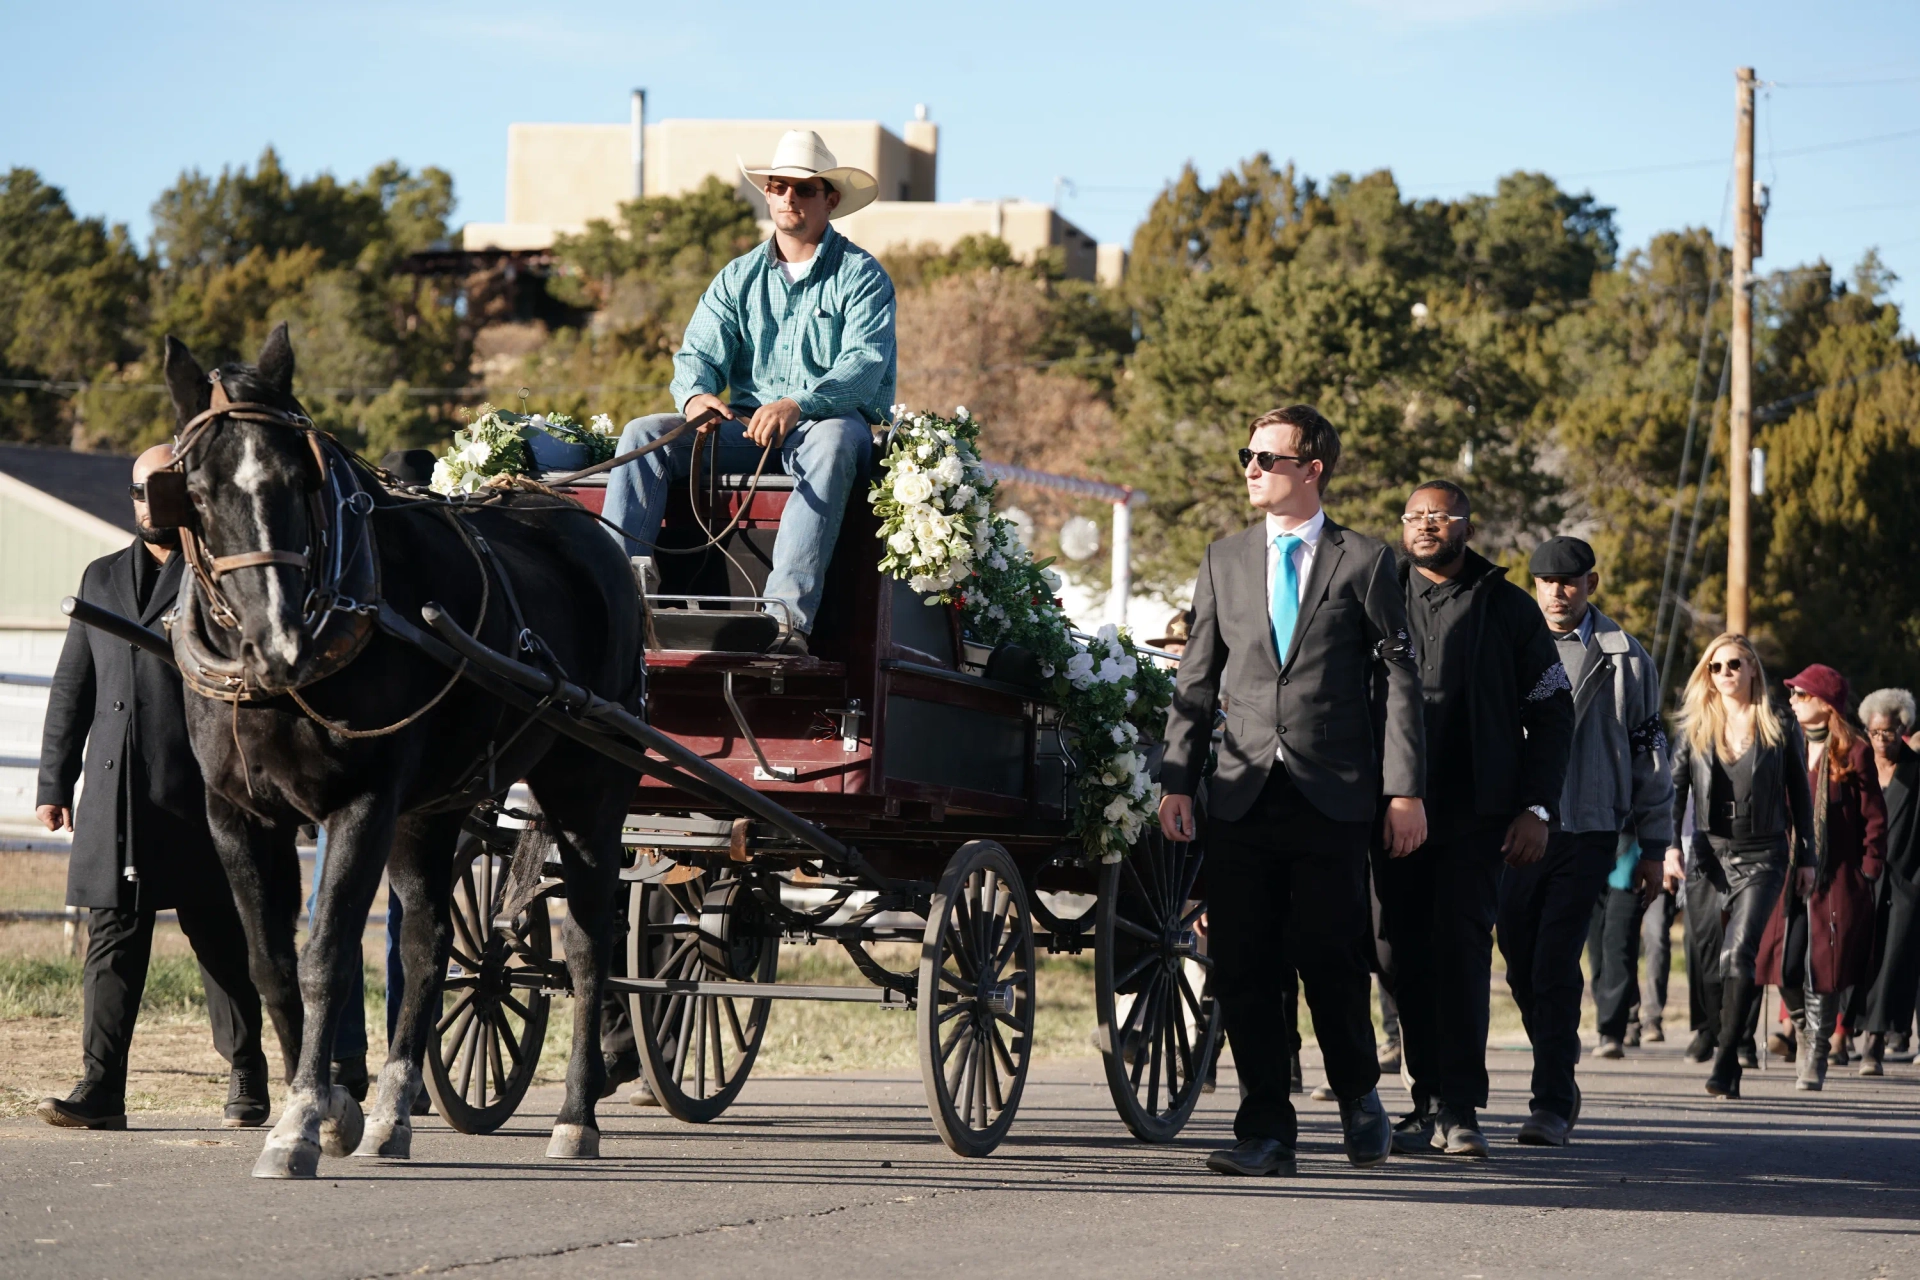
x=1613 y=959
x=1890 y=1000
x=1286 y=891
x=119 y=947
x=1545 y=911
x=1706 y=905
x=1437 y=910
x=1656 y=949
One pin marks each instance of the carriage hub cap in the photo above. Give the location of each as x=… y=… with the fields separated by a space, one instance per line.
x=997 y=997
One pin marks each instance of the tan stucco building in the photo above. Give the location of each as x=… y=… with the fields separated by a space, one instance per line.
x=562 y=176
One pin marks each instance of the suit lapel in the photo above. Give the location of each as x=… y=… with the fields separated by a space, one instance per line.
x=1326 y=559
x=166 y=589
x=125 y=591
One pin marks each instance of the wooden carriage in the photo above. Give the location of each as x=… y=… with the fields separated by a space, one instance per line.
x=911 y=788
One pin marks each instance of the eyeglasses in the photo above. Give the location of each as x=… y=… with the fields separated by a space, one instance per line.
x=1730 y=665
x=799 y=190
x=1884 y=735
x=1268 y=461
x=1430 y=519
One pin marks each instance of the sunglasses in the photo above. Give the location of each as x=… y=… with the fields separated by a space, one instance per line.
x=1268 y=461
x=1430 y=519
x=799 y=190
x=1730 y=665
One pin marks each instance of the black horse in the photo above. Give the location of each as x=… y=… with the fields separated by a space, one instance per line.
x=294 y=695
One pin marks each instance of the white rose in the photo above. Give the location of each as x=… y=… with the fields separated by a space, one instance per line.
x=1109 y=671
x=912 y=488
x=924 y=452
x=1132 y=697
x=963 y=496
x=961 y=413
x=1051 y=578
x=1119 y=736
x=949 y=471
x=1080 y=670
x=1116 y=810
x=901 y=541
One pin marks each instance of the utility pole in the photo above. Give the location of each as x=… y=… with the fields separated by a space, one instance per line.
x=1739 y=492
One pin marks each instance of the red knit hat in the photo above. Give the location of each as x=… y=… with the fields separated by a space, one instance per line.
x=1826 y=684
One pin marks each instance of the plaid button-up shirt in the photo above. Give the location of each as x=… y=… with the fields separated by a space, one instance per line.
x=826 y=341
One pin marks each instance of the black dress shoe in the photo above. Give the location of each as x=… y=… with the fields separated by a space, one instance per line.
x=622 y=1067
x=351 y=1074
x=1544 y=1129
x=1253 y=1158
x=1456 y=1132
x=89 y=1106
x=1368 y=1131
x=1413 y=1136
x=1700 y=1048
x=1749 y=1056
x=247 y=1103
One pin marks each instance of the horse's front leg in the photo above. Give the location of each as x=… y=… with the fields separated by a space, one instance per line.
x=263 y=870
x=585 y=798
x=419 y=875
x=319 y=1115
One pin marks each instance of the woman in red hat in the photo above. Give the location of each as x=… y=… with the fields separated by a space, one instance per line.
x=1819 y=944
x=1744 y=765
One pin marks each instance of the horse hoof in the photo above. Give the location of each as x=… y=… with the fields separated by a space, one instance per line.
x=386 y=1142
x=573 y=1142
x=340 y=1132
x=296 y=1159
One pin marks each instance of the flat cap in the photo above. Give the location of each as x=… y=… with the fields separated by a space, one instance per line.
x=1561 y=557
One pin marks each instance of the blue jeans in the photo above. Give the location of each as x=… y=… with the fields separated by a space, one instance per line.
x=350 y=1037
x=826 y=458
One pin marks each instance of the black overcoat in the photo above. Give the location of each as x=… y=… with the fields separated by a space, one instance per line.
x=120 y=711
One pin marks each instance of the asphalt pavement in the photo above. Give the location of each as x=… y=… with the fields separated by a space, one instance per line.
x=842 y=1177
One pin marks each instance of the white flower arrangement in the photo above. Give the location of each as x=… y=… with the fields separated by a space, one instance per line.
x=940 y=534
x=495 y=443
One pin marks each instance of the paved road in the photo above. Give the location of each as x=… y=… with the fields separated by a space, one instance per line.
x=842 y=1177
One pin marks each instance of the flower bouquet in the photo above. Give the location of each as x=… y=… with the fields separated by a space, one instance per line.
x=499 y=443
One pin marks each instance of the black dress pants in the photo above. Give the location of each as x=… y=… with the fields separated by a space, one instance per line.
x=1890 y=1000
x=1437 y=910
x=1286 y=891
x=1613 y=960
x=1656 y=953
x=119 y=947
x=1546 y=908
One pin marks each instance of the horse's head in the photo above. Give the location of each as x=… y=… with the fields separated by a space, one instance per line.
x=252 y=485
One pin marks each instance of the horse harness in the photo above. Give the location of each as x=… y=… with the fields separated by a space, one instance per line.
x=343 y=597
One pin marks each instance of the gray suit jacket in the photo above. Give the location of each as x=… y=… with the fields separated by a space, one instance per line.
x=1351 y=640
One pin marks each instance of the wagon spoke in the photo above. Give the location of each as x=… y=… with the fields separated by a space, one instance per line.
x=1125 y=925
x=952 y=1042
x=733 y=1025
x=960 y=936
x=464 y=1005
x=470 y=1047
x=981 y=1076
x=952 y=1011
x=495 y=1030
x=1007 y=949
x=957 y=1066
x=1000 y=1049
x=464 y=982
x=508 y=999
x=1142 y=1005
x=1188 y=880
x=958 y=983
x=683 y=1041
x=1138 y=967
x=1185 y=1040
x=714 y=1038
x=514 y=1050
x=1146 y=898
x=699 y=1050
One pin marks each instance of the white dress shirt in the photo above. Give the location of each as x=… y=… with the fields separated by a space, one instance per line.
x=1308 y=531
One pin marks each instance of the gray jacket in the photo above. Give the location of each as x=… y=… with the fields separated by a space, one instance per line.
x=1617 y=772
x=1350 y=641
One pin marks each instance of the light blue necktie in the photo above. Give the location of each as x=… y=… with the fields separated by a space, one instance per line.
x=1285 y=607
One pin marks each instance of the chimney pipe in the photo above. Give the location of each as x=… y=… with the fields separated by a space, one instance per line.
x=639 y=143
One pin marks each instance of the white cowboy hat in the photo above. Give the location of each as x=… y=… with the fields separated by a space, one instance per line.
x=803 y=154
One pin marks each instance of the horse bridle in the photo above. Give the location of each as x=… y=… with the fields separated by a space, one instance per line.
x=337 y=510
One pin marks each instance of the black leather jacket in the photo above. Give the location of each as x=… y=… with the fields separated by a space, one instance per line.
x=1781 y=801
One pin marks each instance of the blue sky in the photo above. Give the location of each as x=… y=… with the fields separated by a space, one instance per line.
x=111 y=101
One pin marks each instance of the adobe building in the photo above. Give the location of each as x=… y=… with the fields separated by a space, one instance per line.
x=562 y=176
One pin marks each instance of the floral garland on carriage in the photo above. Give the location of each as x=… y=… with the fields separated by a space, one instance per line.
x=941 y=536
x=500 y=443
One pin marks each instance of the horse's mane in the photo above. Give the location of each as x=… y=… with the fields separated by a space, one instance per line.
x=245 y=382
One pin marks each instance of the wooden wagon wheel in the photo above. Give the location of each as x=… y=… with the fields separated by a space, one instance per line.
x=697 y=1050
x=1158 y=1031
x=975 y=1027
x=486 y=1046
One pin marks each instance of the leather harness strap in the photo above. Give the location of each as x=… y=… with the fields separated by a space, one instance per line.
x=248 y=559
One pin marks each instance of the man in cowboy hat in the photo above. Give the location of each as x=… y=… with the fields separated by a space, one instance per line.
x=799 y=331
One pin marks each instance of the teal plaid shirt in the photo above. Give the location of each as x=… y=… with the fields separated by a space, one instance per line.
x=827 y=341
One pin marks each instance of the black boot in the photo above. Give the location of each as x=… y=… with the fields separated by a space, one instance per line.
x=1736 y=998
x=351 y=1074
x=91 y=1105
x=247 y=1102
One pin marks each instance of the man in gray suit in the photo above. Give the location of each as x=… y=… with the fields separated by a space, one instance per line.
x=1298 y=624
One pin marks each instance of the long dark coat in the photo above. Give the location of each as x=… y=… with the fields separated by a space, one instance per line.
x=1840 y=950
x=120 y=711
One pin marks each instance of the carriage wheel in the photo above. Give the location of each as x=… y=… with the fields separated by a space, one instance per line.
x=1158 y=1031
x=976 y=998
x=697 y=1050
x=486 y=1046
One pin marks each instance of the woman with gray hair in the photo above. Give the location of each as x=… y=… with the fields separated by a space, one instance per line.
x=1889 y=717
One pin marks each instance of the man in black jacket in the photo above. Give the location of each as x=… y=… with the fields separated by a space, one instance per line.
x=1499 y=721
x=1293 y=621
x=140 y=838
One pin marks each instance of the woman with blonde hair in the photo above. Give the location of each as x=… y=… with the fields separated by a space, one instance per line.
x=1820 y=944
x=1744 y=766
